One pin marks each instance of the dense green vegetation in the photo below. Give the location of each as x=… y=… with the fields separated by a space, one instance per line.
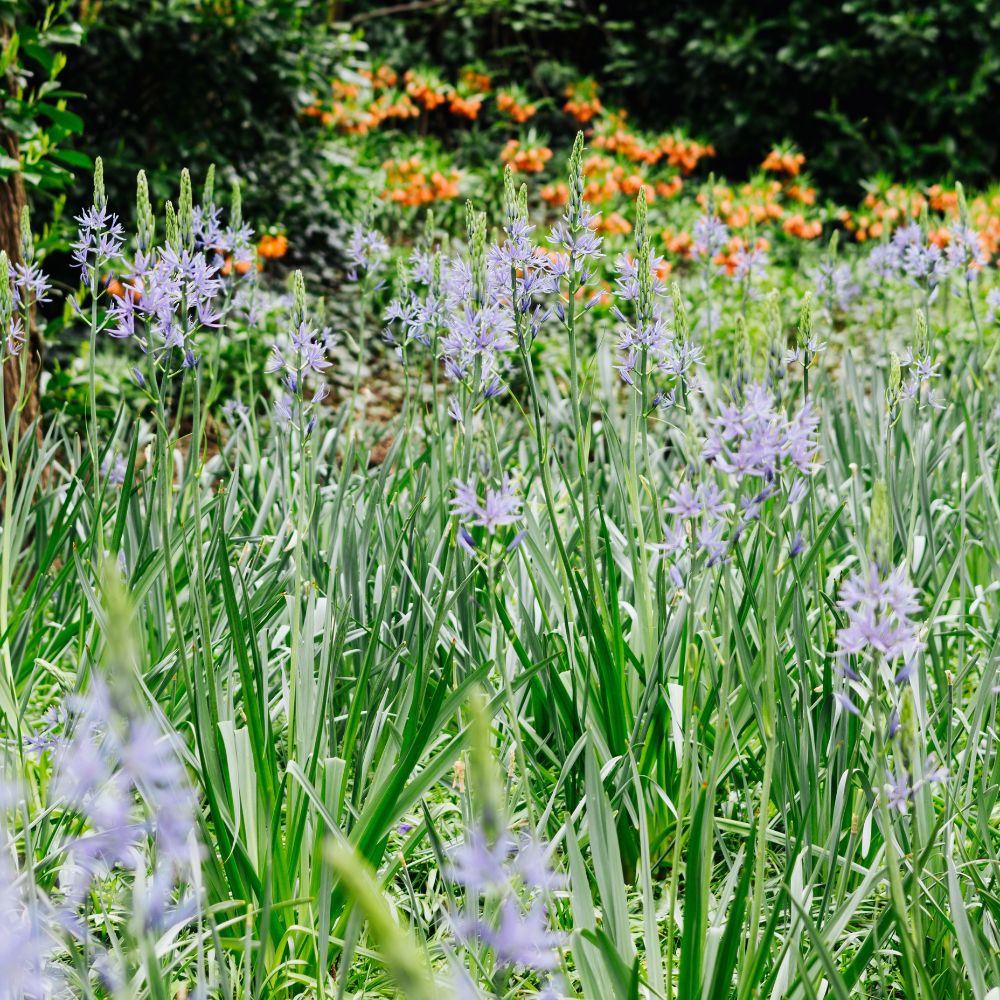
x=476 y=527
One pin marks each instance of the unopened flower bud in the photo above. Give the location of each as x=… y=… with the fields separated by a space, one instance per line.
x=879 y=531
x=805 y=328
x=27 y=240
x=170 y=225
x=100 y=197
x=185 y=211
x=145 y=220
x=208 y=191
x=680 y=312
x=235 y=206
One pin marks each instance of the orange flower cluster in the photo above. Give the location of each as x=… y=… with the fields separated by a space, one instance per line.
x=116 y=288
x=513 y=104
x=729 y=258
x=614 y=223
x=984 y=214
x=582 y=100
x=605 y=179
x=683 y=152
x=942 y=200
x=614 y=136
x=467 y=99
x=555 y=194
x=242 y=266
x=669 y=188
x=677 y=243
x=465 y=107
x=627 y=144
x=887 y=207
x=892 y=205
x=272 y=247
x=426 y=89
x=784 y=162
x=754 y=203
x=408 y=183
x=382 y=77
x=758 y=203
x=798 y=225
x=350 y=114
x=474 y=81
x=355 y=119
x=895 y=205
x=804 y=195
x=526 y=158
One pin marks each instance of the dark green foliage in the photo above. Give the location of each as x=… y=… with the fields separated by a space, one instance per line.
x=203 y=82
x=862 y=86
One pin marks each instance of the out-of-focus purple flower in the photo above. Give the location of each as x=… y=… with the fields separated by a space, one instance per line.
x=797 y=546
x=965 y=251
x=922 y=262
x=113 y=758
x=366 y=248
x=480 y=862
x=47 y=738
x=500 y=506
x=26 y=945
x=711 y=541
x=835 y=285
x=879 y=610
x=992 y=304
x=683 y=502
x=749 y=263
x=710 y=236
x=522 y=937
x=114 y=471
x=233 y=410
x=884 y=261
x=512 y=877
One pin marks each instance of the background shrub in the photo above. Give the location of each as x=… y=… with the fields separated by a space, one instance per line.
x=862 y=86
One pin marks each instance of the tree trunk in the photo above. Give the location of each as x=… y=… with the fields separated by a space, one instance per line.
x=12 y=201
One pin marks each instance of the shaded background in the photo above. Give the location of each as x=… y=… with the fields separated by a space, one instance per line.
x=862 y=86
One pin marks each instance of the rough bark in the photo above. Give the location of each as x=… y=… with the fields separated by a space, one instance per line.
x=12 y=200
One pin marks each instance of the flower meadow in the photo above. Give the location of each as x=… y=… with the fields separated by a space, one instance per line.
x=538 y=616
